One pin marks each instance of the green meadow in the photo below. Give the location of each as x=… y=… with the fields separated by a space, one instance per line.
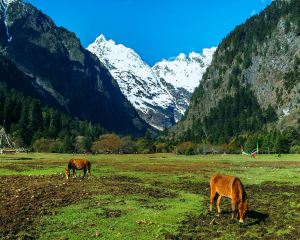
x=159 y=196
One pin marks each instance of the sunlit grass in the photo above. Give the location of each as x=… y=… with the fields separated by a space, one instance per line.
x=135 y=219
x=141 y=216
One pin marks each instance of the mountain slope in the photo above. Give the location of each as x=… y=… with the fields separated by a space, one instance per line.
x=29 y=121
x=63 y=73
x=182 y=75
x=161 y=93
x=254 y=76
x=136 y=80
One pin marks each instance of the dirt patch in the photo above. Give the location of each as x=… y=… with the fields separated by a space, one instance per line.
x=159 y=193
x=24 y=158
x=275 y=164
x=274 y=214
x=112 y=213
x=25 y=200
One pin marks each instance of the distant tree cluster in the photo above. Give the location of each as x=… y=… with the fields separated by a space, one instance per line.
x=112 y=143
x=270 y=140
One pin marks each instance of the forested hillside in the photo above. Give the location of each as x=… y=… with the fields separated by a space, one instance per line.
x=28 y=120
x=253 y=82
x=61 y=73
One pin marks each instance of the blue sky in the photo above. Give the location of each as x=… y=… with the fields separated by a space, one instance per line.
x=155 y=29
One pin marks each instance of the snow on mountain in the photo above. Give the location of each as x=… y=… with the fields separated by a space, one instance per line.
x=160 y=94
x=185 y=71
x=136 y=80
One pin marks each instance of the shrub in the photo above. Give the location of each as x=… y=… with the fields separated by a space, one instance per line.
x=48 y=145
x=295 y=149
x=187 y=148
x=107 y=143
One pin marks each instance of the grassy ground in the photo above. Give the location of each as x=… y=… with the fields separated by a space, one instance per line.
x=160 y=196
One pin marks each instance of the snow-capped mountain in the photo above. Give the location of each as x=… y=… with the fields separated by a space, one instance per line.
x=137 y=81
x=161 y=93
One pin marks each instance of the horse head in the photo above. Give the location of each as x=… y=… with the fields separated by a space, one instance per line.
x=243 y=208
x=67 y=172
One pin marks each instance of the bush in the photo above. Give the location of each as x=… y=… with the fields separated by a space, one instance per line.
x=161 y=147
x=145 y=146
x=48 y=145
x=128 y=145
x=187 y=148
x=295 y=149
x=107 y=143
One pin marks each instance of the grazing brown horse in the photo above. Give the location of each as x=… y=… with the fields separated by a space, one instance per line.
x=79 y=164
x=230 y=187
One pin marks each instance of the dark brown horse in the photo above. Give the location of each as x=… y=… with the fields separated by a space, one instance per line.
x=230 y=187
x=78 y=164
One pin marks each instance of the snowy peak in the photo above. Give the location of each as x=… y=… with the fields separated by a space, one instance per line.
x=100 y=39
x=135 y=79
x=185 y=72
x=181 y=57
x=122 y=62
x=160 y=94
x=205 y=57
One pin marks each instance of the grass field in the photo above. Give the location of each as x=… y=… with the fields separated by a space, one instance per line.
x=160 y=196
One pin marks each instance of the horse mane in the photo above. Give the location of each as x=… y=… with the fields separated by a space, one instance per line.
x=244 y=194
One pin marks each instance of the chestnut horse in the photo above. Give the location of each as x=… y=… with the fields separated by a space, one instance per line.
x=230 y=187
x=79 y=164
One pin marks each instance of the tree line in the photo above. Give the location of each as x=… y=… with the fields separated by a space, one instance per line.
x=40 y=128
x=44 y=129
